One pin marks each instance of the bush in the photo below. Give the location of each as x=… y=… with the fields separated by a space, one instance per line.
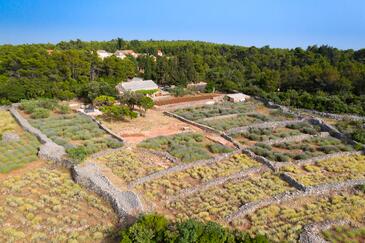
x=63 y=109
x=219 y=148
x=78 y=153
x=155 y=228
x=39 y=113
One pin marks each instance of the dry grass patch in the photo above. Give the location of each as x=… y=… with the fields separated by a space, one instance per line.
x=219 y=202
x=45 y=204
x=15 y=153
x=331 y=170
x=130 y=164
x=285 y=222
x=170 y=185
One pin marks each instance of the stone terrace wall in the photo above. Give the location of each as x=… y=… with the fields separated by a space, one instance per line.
x=291 y=181
x=125 y=203
x=49 y=150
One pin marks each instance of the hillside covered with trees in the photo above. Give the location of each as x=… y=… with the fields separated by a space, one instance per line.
x=322 y=78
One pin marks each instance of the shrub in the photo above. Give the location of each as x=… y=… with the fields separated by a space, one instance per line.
x=63 y=109
x=39 y=113
x=155 y=228
x=219 y=149
x=78 y=153
x=104 y=100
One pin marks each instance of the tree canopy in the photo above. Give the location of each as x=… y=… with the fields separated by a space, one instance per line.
x=319 y=77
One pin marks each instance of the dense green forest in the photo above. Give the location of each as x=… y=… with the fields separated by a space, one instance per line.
x=322 y=78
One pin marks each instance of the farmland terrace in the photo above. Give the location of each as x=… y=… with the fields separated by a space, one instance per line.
x=248 y=166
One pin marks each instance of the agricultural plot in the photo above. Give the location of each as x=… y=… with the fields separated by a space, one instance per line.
x=45 y=204
x=224 y=124
x=225 y=116
x=172 y=184
x=17 y=147
x=328 y=171
x=187 y=147
x=286 y=221
x=305 y=149
x=339 y=234
x=134 y=163
x=221 y=109
x=221 y=201
x=253 y=135
x=77 y=133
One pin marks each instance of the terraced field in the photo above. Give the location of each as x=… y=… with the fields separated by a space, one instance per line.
x=331 y=170
x=301 y=150
x=221 y=201
x=172 y=184
x=285 y=222
x=187 y=147
x=130 y=164
x=17 y=147
x=44 y=204
x=253 y=135
x=77 y=133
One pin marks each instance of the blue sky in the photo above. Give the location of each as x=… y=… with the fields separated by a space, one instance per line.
x=278 y=23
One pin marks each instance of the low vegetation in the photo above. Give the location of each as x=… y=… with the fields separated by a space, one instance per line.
x=266 y=134
x=339 y=234
x=331 y=170
x=45 y=204
x=20 y=149
x=219 y=202
x=354 y=129
x=306 y=149
x=284 y=222
x=132 y=164
x=187 y=147
x=77 y=133
x=171 y=185
x=219 y=109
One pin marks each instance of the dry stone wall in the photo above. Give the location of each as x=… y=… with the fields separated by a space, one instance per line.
x=49 y=150
x=125 y=203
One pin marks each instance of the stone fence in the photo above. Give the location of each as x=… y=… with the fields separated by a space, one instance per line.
x=125 y=203
x=165 y=155
x=180 y=167
x=293 y=182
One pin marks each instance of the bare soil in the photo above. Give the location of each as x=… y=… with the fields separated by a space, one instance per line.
x=154 y=124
